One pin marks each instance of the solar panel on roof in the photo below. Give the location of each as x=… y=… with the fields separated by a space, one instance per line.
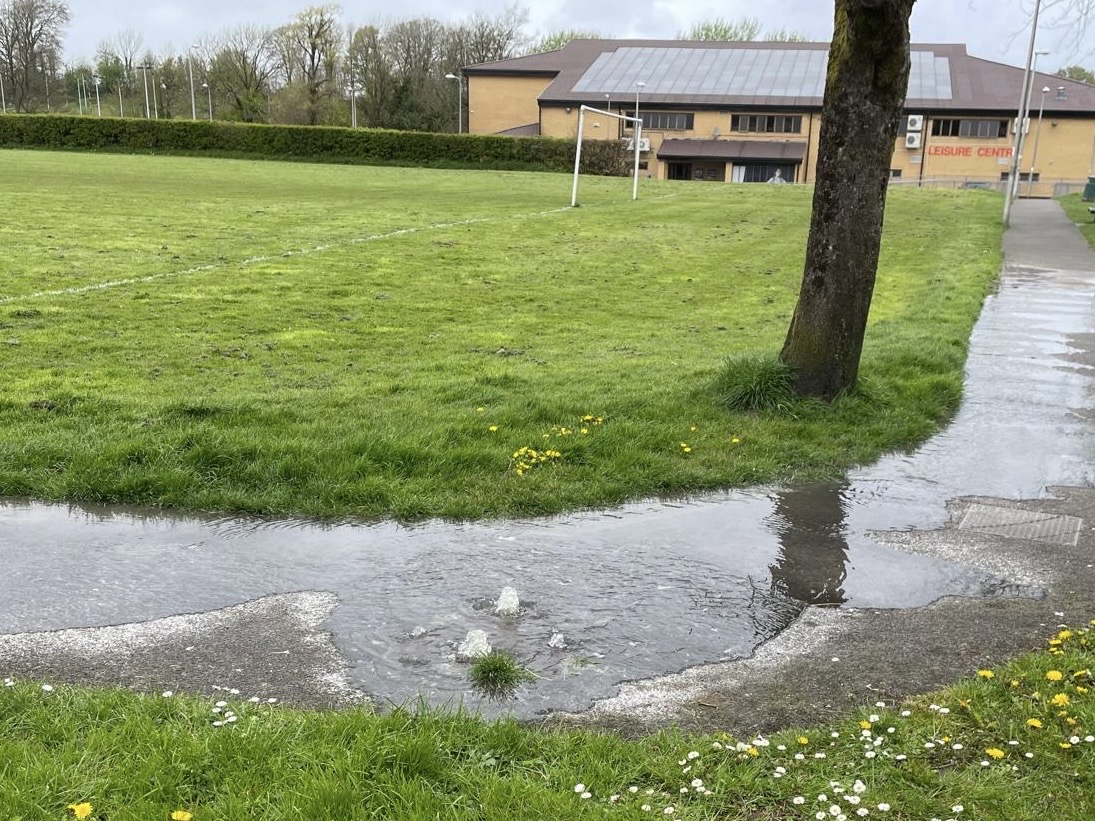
x=740 y=72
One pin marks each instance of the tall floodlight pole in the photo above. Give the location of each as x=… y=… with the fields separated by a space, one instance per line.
x=79 y=94
x=209 y=93
x=1024 y=105
x=98 y=106
x=1037 y=139
x=147 y=110
x=190 y=71
x=353 y=95
x=3 y=97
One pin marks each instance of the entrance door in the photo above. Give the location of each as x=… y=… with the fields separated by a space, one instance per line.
x=680 y=170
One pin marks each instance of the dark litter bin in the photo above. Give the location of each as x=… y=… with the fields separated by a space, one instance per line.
x=1089 y=190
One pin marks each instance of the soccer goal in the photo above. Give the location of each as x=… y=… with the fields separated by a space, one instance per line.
x=636 y=121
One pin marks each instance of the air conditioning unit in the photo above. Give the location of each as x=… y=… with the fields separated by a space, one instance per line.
x=915 y=122
x=644 y=144
x=913 y=139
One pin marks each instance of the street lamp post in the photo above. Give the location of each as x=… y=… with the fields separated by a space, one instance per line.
x=1024 y=106
x=638 y=87
x=98 y=105
x=3 y=97
x=190 y=71
x=1037 y=138
x=144 y=74
x=209 y=94
x=459 y=101
x=79 y=93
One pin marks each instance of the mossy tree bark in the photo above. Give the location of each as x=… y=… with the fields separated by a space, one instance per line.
x=865 y=90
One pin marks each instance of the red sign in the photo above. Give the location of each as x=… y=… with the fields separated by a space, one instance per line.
x=968 y=151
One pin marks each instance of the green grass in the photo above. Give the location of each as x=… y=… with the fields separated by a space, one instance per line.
x=137 y=757
x=498 y=675
x=1078 y=213
x=260 y=337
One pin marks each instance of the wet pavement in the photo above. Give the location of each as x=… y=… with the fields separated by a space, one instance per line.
x=737 y=586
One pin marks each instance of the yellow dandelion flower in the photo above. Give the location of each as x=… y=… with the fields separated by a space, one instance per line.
x=480 y=409
x=693 y=429
x=1071 y=722
x=181 y=815
x=1064 y=745
x=81 y=810
x=1054 y=675
x=1014 y=683
x=986 y=674
x=1080 y=689
x=1060 y=700
x=803 y=740
x=753 y=751
x=1035 y=723
x=865 y=725
x=1064 y=635
x=585 y=431
x=995 y=752
x=492 y=428
x=734 y=440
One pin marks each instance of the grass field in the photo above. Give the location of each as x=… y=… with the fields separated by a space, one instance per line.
x=1077 y=211
x=1014 y=743
x=349 y=341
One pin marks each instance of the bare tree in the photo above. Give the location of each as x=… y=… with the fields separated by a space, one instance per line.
x=30 y=43
x=309 y=50
x=241 y=69
x=1074 y=20
x=484 y=39
x=744 y=30
x=865 y=90
x=555 y=40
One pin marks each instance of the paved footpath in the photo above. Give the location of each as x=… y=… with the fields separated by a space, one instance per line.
x=1028 y=419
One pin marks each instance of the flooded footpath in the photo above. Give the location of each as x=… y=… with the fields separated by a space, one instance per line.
x=606 y=597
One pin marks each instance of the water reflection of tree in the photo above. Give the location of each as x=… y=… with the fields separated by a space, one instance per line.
x=809 y=521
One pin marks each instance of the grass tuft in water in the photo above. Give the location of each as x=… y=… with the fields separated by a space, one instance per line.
x=498 y=675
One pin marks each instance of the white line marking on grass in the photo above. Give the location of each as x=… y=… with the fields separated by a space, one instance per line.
x=399 y=232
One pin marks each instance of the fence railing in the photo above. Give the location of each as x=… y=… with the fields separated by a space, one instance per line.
x=1042 y=188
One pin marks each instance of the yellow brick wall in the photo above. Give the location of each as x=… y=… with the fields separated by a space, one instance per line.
x=499 y=103
x=1065 y=150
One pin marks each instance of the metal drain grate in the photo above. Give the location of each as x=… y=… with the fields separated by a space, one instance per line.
x=1015 y=523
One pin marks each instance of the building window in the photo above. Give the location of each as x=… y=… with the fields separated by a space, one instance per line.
x=1024 y=176
x=982 y=129
x=895 y=173
x=665 y=120
x=764 y=172
x=766 y=123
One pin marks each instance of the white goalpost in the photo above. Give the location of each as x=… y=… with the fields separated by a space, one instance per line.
x=638 y=123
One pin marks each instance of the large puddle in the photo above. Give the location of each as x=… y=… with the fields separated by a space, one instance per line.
x=647 y=589
x=642 y=591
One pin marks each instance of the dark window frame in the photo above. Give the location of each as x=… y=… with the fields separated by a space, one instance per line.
x=968 y=128
x=664 y=120
x=766 y=123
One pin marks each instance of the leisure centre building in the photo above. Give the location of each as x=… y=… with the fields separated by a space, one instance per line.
x=750 y=112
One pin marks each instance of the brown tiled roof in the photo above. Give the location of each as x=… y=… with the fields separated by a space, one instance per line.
x=530 y=130
x=975 y=84
x=733 y=150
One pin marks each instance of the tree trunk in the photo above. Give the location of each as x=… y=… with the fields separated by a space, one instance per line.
x=865 y=92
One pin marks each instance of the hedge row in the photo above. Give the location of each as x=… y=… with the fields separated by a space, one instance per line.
x=362 y=145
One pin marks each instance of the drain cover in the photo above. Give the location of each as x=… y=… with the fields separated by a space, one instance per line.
x=1014 y=523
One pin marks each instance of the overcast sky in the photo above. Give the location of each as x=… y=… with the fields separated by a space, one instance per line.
x=993 y=29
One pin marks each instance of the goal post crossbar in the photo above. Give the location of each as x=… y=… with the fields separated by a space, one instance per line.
x=636 y=121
